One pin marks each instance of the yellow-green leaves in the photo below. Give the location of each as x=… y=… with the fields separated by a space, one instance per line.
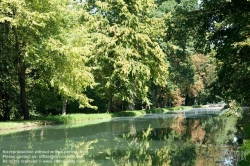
x=45 y=42
x=126 y=52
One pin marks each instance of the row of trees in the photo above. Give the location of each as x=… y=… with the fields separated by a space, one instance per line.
x=117 y=55
x=225 y=26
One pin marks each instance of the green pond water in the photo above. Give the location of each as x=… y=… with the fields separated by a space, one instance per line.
x=200 y=137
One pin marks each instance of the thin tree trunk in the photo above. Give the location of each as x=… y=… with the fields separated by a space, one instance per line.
x=110 y=104
x=131 y=106
x=6 y=110
x=153 y=98
x=22 y=84
x=187 y=98
x=64 y=107
x=46 y=111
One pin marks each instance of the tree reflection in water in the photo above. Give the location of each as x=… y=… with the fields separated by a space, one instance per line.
x=176 y=141
x=156 y=140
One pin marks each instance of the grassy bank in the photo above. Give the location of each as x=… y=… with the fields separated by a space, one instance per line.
x=150 y=111
x=51 y=120
x=75 y=118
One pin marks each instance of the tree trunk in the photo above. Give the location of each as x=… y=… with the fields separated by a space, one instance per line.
x=160 y=101
x=22 y=83
x=110 y=103
x=6 y=110
x=46 y=111
x=153 y=96
x=187 y=98
x=64 y=107
x=21 y=75
x=131 y=106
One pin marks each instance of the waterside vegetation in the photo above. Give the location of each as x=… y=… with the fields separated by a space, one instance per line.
x=60 y=57
x=77 y=118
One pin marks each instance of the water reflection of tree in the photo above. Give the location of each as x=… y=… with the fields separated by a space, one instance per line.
x=179 y=124
x=219 y=130
x=170 y=141
x=198 y=141
x=138 y=150
x=185 y=142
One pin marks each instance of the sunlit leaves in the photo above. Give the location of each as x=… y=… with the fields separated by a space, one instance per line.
x=45 y=39
x=126 y=53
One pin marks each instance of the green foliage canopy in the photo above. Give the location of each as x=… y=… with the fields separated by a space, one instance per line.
x=127 y=55
x=224 y=26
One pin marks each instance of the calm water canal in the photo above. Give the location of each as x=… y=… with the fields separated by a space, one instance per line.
x=200 y=137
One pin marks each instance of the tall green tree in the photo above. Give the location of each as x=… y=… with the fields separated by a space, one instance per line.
x=178 y=46
x=126 y=55
x=8 y=84
x=224 y=26
x=35 y=33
